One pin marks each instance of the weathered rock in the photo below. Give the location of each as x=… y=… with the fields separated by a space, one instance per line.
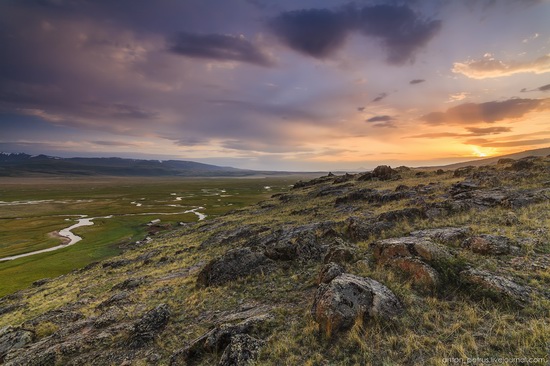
x=489 y=244
x=500 y=286
x=116 y=263
x=116 y=299
x=445 y=235
x=343 y=178
x=462 y=172
x=149 y=326
x=419 y=272
x=462 y=187
x=306 y=242
x=41 y=282
x=241 y=351
x=129 y=284
x=410 y=214
x=505 y=161
x=229 y=237
x=358 y=228
x=385 y=250
x=232 y=265
x=349 y=298
x=522 y=164
x=340 y=252
x=384 y=172
x=217 y=339
x=329 y=272
x=13 y=338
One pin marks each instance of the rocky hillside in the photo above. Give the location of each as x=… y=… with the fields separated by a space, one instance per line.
x=391 y=267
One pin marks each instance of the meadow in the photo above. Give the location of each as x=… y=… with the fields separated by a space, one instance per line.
x=33 y=210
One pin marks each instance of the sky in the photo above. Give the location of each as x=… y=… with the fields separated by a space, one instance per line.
x=276 y=84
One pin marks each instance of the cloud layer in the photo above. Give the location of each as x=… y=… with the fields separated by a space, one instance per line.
x=489 y=112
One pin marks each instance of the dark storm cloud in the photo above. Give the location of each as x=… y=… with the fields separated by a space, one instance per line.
x=219 y=47
x=380 y=119
x=321 y=32
x=399 y=28
x=380 y=97
x=489 y=112
x=416 y=81
x=314 y=32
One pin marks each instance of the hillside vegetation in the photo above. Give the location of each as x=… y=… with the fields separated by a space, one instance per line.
x=390 y=267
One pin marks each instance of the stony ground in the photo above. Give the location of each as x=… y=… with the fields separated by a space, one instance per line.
x=390 y=267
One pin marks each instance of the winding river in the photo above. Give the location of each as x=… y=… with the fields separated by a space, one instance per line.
x=84 y=221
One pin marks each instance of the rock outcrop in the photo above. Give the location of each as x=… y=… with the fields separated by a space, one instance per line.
x=232 y=265
x=347 y=298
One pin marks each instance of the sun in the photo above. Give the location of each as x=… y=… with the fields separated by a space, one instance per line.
x=478 y=152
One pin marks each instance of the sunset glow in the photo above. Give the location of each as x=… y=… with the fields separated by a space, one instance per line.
x=288 y=85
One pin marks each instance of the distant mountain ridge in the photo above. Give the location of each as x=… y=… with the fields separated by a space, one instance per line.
x=21 y=164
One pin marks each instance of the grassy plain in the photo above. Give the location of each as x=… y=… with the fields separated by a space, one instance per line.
x=31 y=209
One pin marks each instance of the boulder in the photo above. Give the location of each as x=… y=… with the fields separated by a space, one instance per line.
x=410 y=246
x=384 y=172
x=420 y=273
x=305 y=243
x=149 y=326
x=500 y=286
x=488 y=244
x=241 y=351
x=339 y=304
x=234 y=264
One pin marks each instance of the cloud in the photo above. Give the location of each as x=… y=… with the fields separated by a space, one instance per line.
x=314 y=32
x=473 y=131
x=457 y=97
x=488 y=130
x=219 y=47
x=322 y=32
x=380 y=97
x=399 y=28
x=489 y=67
x=416 y=81
x=544 y=88
x=360 y=109
x=471 y=113
x=513 y=143
x=380 y=119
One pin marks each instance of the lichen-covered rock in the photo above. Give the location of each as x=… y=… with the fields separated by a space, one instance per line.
x=420 y=273
x=13 y=338
x=446 y=235
x=489 y=244
x=498 y=285
x=340 y=252
x=150 y=325
x=305 y=243
x=217 y=339
x=410 y=214
x=241 y=351
x=329 y=272
x=349 y=298
x=232 y=265
x=384 y=172
x=410 y=246
x=358 y=228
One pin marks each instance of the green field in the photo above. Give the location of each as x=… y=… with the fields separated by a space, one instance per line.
x=33 y=209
